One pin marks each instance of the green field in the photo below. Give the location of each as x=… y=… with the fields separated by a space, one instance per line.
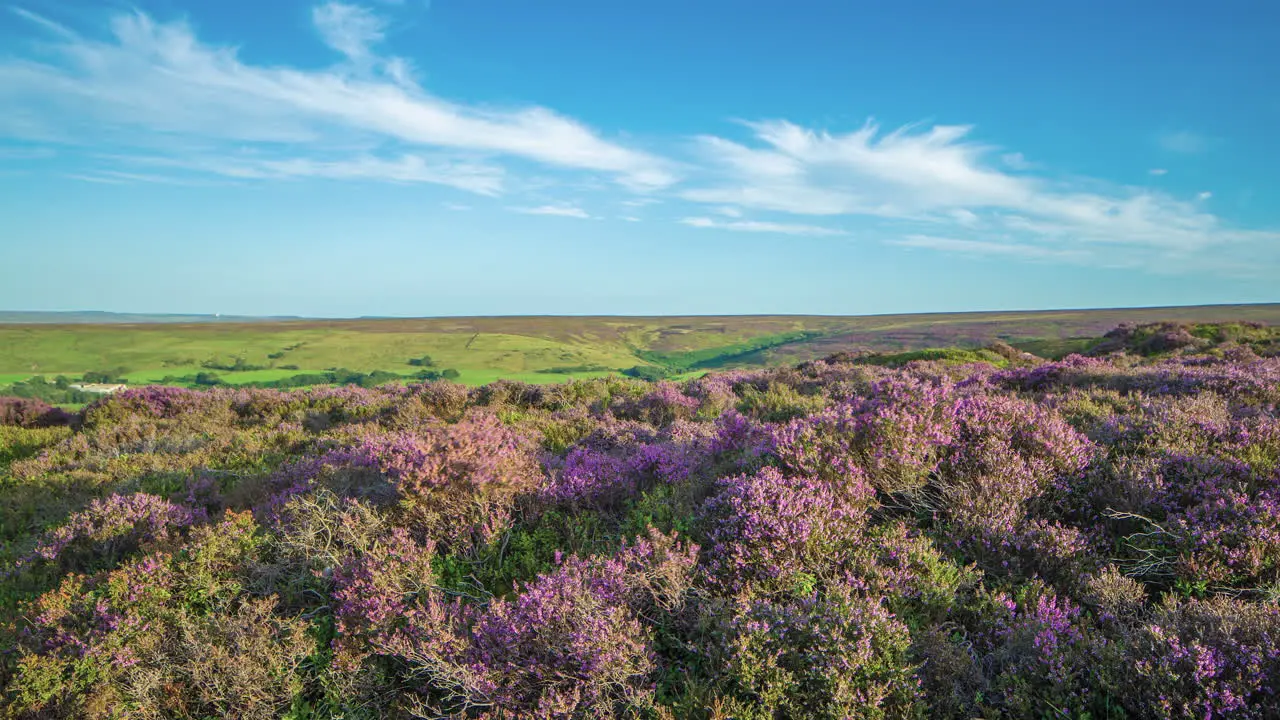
x=525 y=348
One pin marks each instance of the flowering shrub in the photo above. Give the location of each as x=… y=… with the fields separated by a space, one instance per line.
x=113 y=524
x=32 y=413
x=567 y=642
x=895 y=435
x=1091 y=537
x=168 y=634
x=835 y=656
x=1206 y=659
x=782 y=532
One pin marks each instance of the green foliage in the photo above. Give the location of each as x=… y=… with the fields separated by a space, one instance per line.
x=21 y=443
x=118 y=375
x=954 y=356
x=722 y=356
x=778 y=403
x=58 y=392
x=651 y=373
x=239 y=364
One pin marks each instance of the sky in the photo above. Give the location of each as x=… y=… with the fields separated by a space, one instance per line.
x=496 y=157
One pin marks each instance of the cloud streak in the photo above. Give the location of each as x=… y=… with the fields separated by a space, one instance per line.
x=568 y=211
x=755 y=226
x=982 y=247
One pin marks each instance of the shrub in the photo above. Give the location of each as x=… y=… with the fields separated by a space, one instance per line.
x=826 y=656
x=783 y=533
x=32 y=413
x=566 y=646
x=1216 y=658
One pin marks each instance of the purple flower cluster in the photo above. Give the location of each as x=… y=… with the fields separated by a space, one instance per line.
x=116 y=519
x=781 y=530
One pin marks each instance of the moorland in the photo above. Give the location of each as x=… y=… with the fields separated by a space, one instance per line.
x=190 y=351
x=957 y=533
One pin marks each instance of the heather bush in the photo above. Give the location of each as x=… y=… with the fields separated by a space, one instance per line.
x=782 y=533
x=778 y=403
x=169 y=634
x=457 y=482
x=32 y=413
x=662 y=405
x=109 y=527
x=896 y=435
x=567 y=645
x=834 y=655
x=1040 y=656
x=1217 y=658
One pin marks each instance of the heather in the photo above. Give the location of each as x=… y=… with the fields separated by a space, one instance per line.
x=941 y=535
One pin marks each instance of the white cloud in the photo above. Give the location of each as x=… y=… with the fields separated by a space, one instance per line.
x=936 y=175
x=728 y=211
x=1204 y=195
x=760 y=227
x=1184 y=142
x=557 y=210
x=898 y=174
x=1157 y=172
x=629 y=218
x=456 y=207
x=152 y=81
x=350 y=29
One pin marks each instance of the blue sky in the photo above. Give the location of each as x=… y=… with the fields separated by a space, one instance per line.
x=585 y=157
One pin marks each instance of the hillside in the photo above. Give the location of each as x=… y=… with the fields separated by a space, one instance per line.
x=541 y=349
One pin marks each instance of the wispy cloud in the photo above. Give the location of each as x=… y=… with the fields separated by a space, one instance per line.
x=1183 y=141
x=754 y=226
x=45 y=23
x=475 y=177
x=150 y=80
x=569 y=211
x=937 y=175
x=1204 y=195
x=1016 y=161
x=119 y=177
x=350 y=29
x=456 y=207
x=1157 y=172
x=981 y=247
x=629 y=218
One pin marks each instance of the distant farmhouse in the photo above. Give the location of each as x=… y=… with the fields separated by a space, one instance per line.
x=100 y=388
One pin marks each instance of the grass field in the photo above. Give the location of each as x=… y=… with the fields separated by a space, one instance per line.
x=486 y=349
